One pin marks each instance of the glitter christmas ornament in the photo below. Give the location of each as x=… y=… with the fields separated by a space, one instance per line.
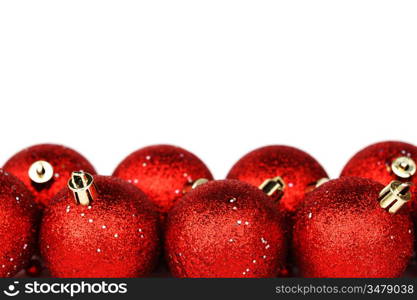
x=384 y=162
x=223 y=229
x=354 y=227
x=100 y=227
x=45 y=169
x=18 y=224
x=165 y=173
x=34 y=268
x=300 y=173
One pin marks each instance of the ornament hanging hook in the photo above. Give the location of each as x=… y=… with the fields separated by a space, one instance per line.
x=404 y=167
x=394 y=196
x=41 y=171
x=83 y=187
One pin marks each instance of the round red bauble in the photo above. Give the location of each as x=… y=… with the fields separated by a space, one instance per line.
x=299 y=171
x=54 y=164
x=225 y=229
x=342 y=231
x=34 y=268
x=18 y=224
x=116 y=235
x=375 y=162
x=163 y=172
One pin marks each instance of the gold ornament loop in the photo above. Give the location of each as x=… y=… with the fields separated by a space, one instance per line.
x=273 y=185
x=83 y=187
x=394 y=196
x=404 y=167
x=41 y=171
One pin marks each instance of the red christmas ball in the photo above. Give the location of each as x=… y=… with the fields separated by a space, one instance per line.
x=382 y=163
x=299 y=171
x=18 y=225
x=163 y=172
x=225 y=229
x=342 y=231
x=45 y=169
x=112 y=231
x=34 y=268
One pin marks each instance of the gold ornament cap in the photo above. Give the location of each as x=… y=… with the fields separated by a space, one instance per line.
x=273 y=185
x=404 y=167
x=322 y=181
x=199 y=182
x=191 y=185
x=83 y=187
x=41 y=171
x=394 y=196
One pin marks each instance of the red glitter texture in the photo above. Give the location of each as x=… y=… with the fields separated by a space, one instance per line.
x=63 y=160
x=341 y=231
x=225 y=229
x=116 y=236
x=374 y=162
x=298 y=169
x=18 y=225
x=163 y=172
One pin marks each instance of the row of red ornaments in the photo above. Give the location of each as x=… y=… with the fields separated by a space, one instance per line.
x=105 y=227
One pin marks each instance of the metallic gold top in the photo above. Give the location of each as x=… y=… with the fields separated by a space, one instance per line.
x=395 y=195
x=83 y=187
x=199 y=182
x=272 y=186
x=322 y=181
x=41 y=171
x=404 y=167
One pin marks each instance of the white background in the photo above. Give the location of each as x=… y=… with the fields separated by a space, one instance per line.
x=219 y=78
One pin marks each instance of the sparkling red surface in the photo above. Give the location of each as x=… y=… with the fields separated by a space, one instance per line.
x=63 y=160
x=163 y=172
x=374 y=162
x=341 y=231
x=18 y=225
x=299 y=170
x=117 y=236
x=225 y=229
